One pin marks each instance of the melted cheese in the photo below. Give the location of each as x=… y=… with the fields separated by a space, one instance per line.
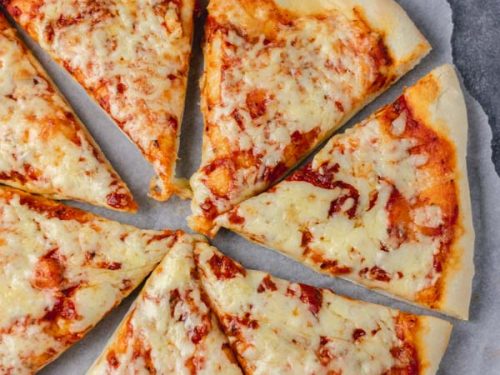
x=164 y=319
x=338 y=335
x=133 y=58
x=296 y=217
x=103 y=260
x=269 y=82
x=43 y=146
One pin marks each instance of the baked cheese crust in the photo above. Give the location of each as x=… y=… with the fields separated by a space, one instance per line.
x=45 y=149
x=169 y=328
x=280 y=76
x=279 y=327
x=62 y=270
x=132 y=57
x=385 y=205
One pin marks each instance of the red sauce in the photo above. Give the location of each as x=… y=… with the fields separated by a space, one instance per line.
x=272 y=174
x=256 y=102
x=307 y=238
x=358 y=333
x=52 y=209
x=373 y=199
x=375 y=273
x=225 y=268
x=112 y=359
x=113 y=266
x=233 y=324
x=312 y=296
x=119 y=200
x=175 y=298
x=234 y=218
x=323 y=353
x=64 y=308
x=337 y=204
x=267 y=284
x=198 y=333
x=49 y=272
x=324 y=179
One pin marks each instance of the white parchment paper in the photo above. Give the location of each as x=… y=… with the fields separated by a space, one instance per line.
x=475 y=345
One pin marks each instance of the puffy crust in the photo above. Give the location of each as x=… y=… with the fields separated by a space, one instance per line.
x=438 y=101
x=432 y=340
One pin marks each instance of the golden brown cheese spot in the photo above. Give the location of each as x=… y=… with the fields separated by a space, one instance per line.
x=49 y=272
x=256 y=103
x=219 y=180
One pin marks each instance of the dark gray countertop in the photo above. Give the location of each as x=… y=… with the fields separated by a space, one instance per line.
x=476 y=51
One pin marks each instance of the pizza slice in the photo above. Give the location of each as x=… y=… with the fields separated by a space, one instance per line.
x=169 y=328
x=385 y=205
x=45 y=149
x=280 y=327
x=63 y=269
x=132 y=57
x=280 y=77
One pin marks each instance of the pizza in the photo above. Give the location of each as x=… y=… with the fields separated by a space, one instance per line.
x=281 y=76
x=63 y=270
x=281 y=327
x=45 y=149
x=169 y=328
x=132 y=57
x=386 y=204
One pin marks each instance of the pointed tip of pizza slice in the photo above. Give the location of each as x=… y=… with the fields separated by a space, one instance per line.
x=63 y=270
x=132 y=58
x=45 y=148
x=169 y=328
x=279 y=326
x=282 y=76
x=386 y=204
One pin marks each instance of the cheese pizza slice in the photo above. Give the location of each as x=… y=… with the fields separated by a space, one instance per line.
x=62 y=270
x=45 y=149
x=169 y=328
x=281 y=76
x=132 y=57
x=385 y=205
x=280 y=327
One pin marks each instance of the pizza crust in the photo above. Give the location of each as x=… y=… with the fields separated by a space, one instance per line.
x=444 y=110
x=432 y=340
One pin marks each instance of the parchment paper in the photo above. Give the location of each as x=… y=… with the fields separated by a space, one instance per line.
x=475 y=345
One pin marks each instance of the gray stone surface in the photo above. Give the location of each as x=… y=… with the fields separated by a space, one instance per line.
x=476 y=51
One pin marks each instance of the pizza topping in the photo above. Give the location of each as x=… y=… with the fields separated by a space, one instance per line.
x=225 y=268
x=49 y=272
x=324 y=333
x=311 y=296
x=276 y=84
x=140 y=83
x=59 y=157
x=267 y=284
x=358 y=334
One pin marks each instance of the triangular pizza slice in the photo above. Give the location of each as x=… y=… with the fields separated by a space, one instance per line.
x=132 y=57
x=169 y=329
x=62 y=270
x=386 y=204
x=280 y=327
x=45 y=149
x=280 y=77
